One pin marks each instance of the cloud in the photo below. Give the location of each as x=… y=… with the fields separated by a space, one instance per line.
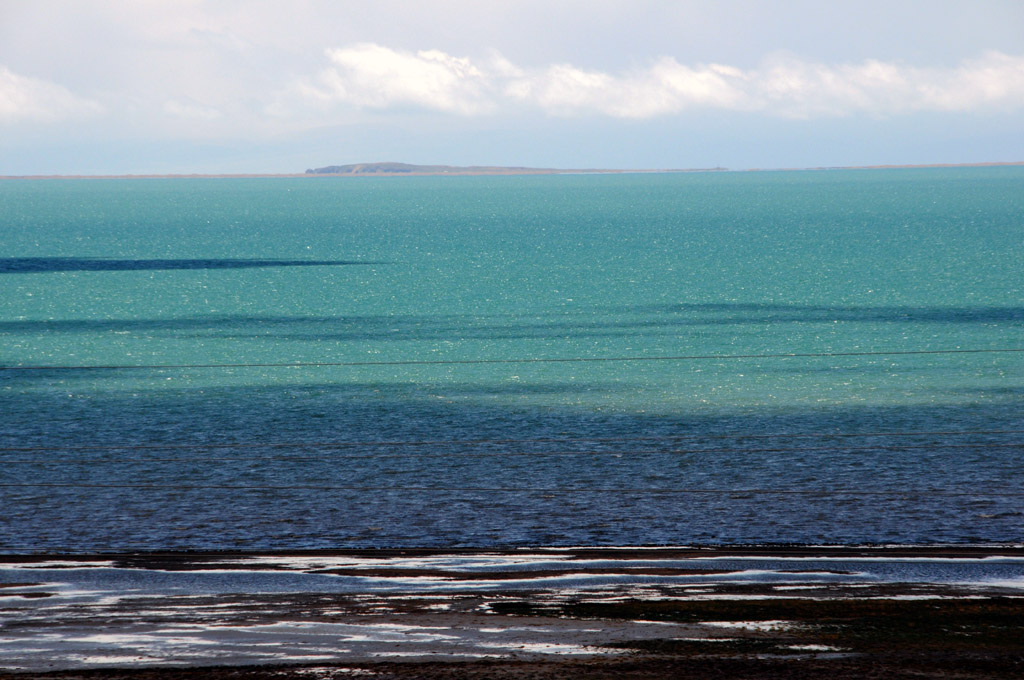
x=370 y=76
x=30 y=99
x=793 y=88
x=995 y=80
x=375 y=77
x=664 y=88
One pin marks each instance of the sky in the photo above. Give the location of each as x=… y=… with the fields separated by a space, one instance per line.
x=279 y=86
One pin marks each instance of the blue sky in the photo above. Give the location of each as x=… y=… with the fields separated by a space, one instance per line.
x=155 y=86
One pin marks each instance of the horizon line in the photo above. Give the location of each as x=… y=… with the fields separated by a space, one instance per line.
x=466 y=171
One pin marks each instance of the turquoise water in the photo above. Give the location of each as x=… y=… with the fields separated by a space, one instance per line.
x=273 y=323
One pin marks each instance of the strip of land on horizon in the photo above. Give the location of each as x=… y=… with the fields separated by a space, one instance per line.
x=406 y=170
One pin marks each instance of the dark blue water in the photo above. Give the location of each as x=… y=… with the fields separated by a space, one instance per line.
x=751 y=357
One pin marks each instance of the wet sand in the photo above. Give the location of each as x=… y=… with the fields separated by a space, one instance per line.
x=757 y=612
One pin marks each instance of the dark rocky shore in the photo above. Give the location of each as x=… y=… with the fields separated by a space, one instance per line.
x=797 y=612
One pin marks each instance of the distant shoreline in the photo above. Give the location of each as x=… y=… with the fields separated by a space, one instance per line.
x=494 y=173
x=501 y=171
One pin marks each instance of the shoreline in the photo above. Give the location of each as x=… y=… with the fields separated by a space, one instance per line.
x=294 y=175
x=585 y=612
x=513 y=172
x=141 y=557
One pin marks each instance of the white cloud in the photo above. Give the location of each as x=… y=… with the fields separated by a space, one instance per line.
x=30 y=99
x=995 y=80
x=793 y=88
x=370 y=76
x=665 y=88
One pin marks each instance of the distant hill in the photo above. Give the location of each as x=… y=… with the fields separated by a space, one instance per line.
x=409 y=169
